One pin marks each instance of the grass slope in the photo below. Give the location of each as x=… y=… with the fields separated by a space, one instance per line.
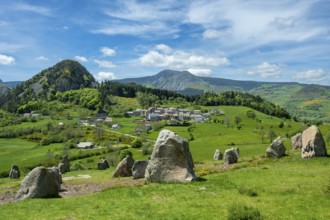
x=282 y=189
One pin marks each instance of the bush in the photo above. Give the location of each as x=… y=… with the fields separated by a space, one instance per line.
x=147 y=149
x=77 y=166
x=137 y=143
x=124 y=153
x=242 y=212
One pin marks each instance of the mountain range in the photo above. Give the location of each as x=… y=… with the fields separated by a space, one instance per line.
x=306 y=101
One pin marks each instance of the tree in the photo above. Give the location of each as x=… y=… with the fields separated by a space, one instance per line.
x=281 y=125
x=238 y=120
x=227 y=122
x=251 y=114
x=271 y=135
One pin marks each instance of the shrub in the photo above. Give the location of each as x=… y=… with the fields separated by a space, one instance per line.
x=137 y=143
x=248 y=192
x=124 y=153
x=77 y=166
x=242 y=212
x=147 y=149
x=191 y=137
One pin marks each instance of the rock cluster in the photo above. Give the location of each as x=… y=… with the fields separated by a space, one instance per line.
x=171 y=160
x=276 y=149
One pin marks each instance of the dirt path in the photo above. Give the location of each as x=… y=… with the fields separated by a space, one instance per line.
x=72 y=188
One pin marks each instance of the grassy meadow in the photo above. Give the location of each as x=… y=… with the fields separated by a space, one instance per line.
x=286 y=188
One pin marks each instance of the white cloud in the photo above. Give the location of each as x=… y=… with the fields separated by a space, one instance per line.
x=249 y=22
x=106 y=51
x=137 y=29
x=282 y=23
x=41 y=58
x=164 y=48
x=311 y=75
x=102 y=76
x=148 y=18
x=213 y=34
x=180 y=59
x=200 y=72
x=266 y=70
x=81 y=59
x=104 y=63
x=32 y=8
x=6 y=60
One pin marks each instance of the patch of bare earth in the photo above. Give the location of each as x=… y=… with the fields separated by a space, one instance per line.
x=69 y=188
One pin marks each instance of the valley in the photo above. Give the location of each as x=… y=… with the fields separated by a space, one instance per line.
x=44 y=119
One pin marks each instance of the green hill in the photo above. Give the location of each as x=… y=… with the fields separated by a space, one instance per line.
x=311 y=102
x=63 y=76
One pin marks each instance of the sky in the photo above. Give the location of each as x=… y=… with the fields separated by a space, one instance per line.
x=276 y=41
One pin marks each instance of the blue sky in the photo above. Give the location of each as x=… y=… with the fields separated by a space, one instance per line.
x=283 y=40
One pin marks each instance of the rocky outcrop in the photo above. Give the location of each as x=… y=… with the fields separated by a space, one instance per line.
x=41 y=182
x=14 y=172
x=139 y=168
x=296 y=141
x=217 y=155
x=276 y=149
x=64 y=166
x=313 y=144
x=171 y=160
x=231 y=156
x=103 y=165
x=124 y=168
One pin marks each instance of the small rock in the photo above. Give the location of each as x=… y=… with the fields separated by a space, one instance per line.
x=124 y=168
x=103 y=165
x=217 y=155
x=296 y=141
x=14 y=172
x=276 y=149
x=139 y=169
x=231 y=156
x=64 y=166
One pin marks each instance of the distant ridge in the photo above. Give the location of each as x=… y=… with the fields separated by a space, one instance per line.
x=308 y=101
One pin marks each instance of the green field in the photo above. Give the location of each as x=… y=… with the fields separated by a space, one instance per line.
x=286 y=188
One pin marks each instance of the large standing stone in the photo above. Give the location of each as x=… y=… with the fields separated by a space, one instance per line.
x=124 y=168
x=296 y=141
x=217 y=155
x=64 y=166
x=171 y=160
x=41 y=182
x=313 y=144
x=139 y=168
x=103 y=165
x=276 y=149
x=14 y=172
x=231 y=156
